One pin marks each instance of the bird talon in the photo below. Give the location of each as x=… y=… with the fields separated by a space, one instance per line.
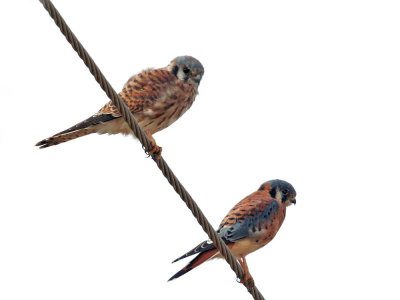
x=248 y=279
x=250 y=282
x=155 y=151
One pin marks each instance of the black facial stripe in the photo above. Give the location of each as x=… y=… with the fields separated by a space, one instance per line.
x=284 y=198
x=175 y=70
x=272 y=192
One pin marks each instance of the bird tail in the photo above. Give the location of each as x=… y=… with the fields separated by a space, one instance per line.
x=81 y=129
x=197 y=261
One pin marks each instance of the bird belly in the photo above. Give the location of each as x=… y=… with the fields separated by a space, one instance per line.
x=246 y=246
x=243 y=247
x=150 y=120
x=250 y=244
x=113 y=127
x=159 y=119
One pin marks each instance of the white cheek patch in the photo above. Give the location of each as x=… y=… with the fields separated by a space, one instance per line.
x=278 y=195
x=180 y=74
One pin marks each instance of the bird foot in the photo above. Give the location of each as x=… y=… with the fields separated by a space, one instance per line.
x=248 y=279
x=155 y=151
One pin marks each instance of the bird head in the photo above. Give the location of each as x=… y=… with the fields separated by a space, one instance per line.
x=188 y=69
x=281 y=191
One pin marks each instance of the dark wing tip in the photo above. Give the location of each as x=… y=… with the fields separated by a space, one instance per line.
x=46 y=143
x=202 y=247
x=179 y=258
x=42 y=144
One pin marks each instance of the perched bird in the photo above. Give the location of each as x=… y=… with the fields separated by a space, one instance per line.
x=156 y=97
x=249 y=225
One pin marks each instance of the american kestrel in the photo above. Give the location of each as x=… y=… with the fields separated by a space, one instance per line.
x=249 y=225
x=156 y=97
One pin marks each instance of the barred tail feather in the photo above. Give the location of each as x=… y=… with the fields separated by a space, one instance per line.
x=197 y=261
x=64 y=137
x=81 y=129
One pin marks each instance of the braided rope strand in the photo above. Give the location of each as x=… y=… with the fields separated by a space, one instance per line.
x=144 y=140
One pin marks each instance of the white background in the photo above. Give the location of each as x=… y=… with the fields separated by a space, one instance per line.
x=306 y=91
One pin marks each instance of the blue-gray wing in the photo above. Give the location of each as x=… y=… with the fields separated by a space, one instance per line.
x=237 y=228
x=249 y=225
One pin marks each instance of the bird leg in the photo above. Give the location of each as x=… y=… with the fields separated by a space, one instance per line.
x=247 y=277
x=155 y=150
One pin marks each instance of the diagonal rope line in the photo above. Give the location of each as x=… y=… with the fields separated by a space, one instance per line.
x=144 y=140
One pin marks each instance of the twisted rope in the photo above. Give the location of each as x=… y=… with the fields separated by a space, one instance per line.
x=144 y=140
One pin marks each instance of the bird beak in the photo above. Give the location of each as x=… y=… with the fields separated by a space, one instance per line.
x=197 y=78
x=293 y=201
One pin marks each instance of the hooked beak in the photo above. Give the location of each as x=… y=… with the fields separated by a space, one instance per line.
x=197 y=78
x=293 y=201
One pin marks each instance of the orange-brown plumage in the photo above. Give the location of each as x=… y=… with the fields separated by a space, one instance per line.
x=249 y=225
x=156 y=97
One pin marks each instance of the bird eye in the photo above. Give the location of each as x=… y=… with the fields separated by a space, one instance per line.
x=186 y=70
x=285 y=192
